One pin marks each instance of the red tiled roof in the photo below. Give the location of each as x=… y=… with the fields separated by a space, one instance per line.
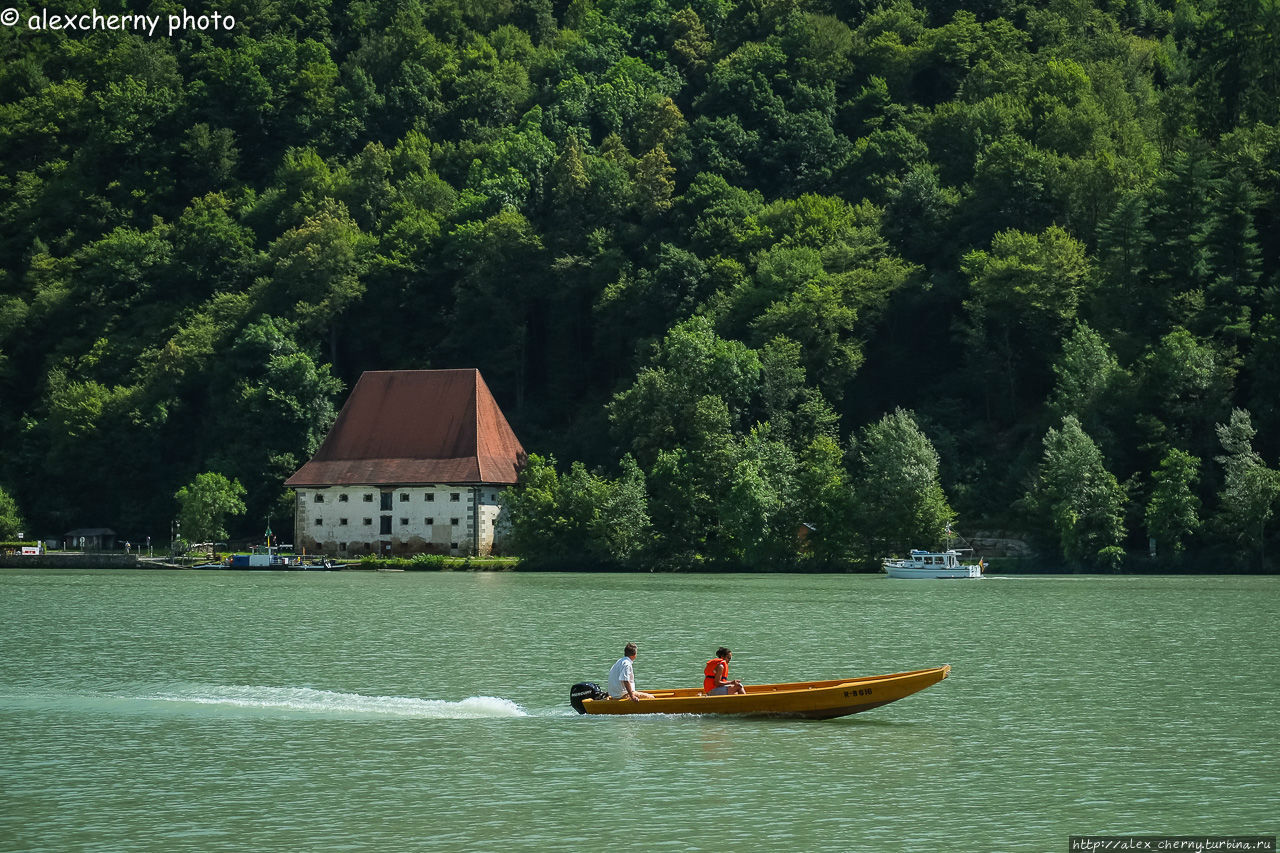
x=404 y=427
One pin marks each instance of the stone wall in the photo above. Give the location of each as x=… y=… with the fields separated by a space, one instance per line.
x=69 y=560
x=1000 y=543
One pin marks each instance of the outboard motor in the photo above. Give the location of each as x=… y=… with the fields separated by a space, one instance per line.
x=585 y=690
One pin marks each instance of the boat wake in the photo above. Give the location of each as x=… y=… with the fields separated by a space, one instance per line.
x=307 y=700
x=275 y=701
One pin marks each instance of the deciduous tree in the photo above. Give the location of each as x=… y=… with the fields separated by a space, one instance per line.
x=900 y=504
x=1249 y=487
x=205 y=503
x=1077 y=498
x=1173 y=512
x=11 y=523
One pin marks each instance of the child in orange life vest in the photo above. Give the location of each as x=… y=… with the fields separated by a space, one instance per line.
x=715 y=680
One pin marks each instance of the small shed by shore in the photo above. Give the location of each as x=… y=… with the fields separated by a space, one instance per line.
x=90 y=539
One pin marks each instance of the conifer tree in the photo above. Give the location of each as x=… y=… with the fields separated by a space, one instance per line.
x=1235 y=261
x=1124 y=241
x=1181 y=220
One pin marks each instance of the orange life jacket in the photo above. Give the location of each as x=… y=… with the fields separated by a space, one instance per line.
x=712 y=680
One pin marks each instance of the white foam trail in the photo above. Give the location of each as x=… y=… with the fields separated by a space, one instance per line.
x=308 y=700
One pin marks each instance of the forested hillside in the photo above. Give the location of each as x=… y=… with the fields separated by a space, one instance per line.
x=753 y=263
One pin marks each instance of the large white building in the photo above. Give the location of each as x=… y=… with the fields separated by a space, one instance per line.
x=415 y=464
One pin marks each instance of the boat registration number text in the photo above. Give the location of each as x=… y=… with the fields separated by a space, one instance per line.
x=861 y=691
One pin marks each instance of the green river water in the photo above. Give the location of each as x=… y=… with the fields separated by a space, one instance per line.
x=427 y=711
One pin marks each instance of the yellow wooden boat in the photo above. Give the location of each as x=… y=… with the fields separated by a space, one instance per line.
x=814 y=700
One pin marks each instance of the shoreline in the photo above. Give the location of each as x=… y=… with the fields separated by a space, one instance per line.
x=117 y=562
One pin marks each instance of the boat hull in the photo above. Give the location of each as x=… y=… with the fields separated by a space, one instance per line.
x=813 y=700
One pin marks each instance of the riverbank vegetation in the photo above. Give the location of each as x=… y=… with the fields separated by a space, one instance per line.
x=774 y=284
x=435 y=563
x=11 y=523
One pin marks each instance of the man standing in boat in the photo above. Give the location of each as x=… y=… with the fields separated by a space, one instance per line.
x=622 y=680
x=715 y=680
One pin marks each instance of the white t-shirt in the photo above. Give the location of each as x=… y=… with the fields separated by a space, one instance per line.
x=621 y=672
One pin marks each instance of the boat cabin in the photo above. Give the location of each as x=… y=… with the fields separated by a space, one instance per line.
x=934 y=560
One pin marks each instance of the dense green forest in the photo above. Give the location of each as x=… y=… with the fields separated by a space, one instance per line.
x=731 y=267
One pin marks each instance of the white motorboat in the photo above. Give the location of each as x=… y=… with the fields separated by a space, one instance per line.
x=932 y=564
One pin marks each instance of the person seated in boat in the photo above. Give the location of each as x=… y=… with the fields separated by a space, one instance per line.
x=622 y=679
x=715 y=680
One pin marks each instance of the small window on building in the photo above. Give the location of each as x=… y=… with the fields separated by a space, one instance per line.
x=453 y=545
x=342 y=499
x=319 y=522
x=384 y=525
x=430 y=521
x=404 y=522
x=431 y=496
x=454 y=522
x=342 y=546
x=342 y=522
x=493 y=496
x=368 y=498
x=404 y=497
x=455 y=496
x=319 y=498
x=368 y=522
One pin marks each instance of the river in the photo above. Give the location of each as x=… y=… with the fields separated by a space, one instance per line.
x=152 y=710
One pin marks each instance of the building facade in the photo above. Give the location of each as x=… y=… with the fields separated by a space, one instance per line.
x=415 y=464
x=439 y=518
